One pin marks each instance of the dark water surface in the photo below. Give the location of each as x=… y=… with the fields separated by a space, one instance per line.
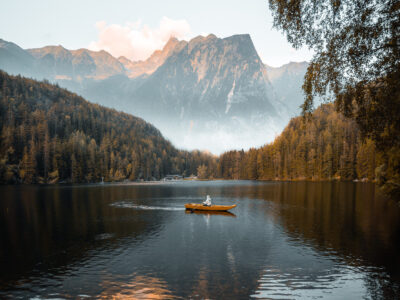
x=283 y=241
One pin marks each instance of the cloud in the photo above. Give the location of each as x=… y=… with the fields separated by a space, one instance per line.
x=135 y=40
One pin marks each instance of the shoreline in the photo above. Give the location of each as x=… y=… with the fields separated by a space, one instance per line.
x=160 y=182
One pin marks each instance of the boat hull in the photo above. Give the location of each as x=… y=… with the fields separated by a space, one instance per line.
x=210 y=213
x=196 y=206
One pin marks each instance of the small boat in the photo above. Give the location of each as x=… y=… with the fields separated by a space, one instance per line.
x=196 y=206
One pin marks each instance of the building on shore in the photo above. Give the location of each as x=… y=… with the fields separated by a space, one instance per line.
x=173 y=177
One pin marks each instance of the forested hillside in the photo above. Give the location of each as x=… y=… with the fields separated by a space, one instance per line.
x=328 y=146
x=356 y=63
x=49 y=134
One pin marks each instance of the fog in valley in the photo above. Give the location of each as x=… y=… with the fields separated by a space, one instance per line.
x=209 y=93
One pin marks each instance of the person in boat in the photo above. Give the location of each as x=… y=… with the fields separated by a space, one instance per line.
x=207 y=202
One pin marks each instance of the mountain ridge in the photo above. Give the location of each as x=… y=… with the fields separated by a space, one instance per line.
x=196 y=91
x=156 y=59
x=38 y=52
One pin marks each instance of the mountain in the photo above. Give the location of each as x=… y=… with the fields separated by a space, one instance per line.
x=207 y=93
x=224 y=77
x=16 y=60
x=147 y=67
x=287 y=81
x=64 y=64
x=49 y=134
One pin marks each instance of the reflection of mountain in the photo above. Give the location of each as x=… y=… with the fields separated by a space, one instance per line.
x=208 y=92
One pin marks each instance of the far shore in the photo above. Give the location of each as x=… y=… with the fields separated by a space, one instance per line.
x=158 y=182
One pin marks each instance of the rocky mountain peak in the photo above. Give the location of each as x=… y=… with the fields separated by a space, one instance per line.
x=211 y=36
x=198 y=91
x=172 y=42
x=147 y=67
x=56 y=51
x=124 y=60
x=223 y=76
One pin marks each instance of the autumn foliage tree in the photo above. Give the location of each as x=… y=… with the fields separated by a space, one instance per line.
x=325 y=147
x=357 y=62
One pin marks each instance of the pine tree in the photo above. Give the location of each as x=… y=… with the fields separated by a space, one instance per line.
x=27 y=167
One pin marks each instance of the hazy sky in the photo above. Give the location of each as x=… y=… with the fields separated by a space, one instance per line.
x=136 y=28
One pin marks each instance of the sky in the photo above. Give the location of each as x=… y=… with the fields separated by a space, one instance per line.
x=135 y=28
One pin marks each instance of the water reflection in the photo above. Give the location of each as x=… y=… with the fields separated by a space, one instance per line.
x=348 y=219
x=210 y=213
x=284 y=240
x=139 y=287
x=311 y=283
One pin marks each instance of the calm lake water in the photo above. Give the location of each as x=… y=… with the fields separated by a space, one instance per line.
x=283 y=241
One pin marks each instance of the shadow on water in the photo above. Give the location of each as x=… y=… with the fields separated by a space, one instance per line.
x=210 y=213
x=283 y=240
x=349 y=223
x=46 y=228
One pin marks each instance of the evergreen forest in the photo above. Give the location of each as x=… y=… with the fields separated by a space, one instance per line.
x=326 y=146
x=50 y=135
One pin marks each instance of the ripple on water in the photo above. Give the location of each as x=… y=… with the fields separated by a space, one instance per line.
x=104 y=236
x=124 y=204
x=294 y=284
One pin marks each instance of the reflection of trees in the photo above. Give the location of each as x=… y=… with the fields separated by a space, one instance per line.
x=352 y=220
x=58 y=226
x=43 y=229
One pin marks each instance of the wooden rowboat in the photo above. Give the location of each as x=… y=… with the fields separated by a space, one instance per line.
x=196 y=206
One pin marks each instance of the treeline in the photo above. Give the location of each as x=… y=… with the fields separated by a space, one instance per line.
x=325 y=147
x=49 y=135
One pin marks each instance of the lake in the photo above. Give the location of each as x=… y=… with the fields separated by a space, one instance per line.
x=284 y=240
